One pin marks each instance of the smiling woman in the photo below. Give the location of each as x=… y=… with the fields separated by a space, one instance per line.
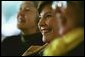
x=63 y=28
x=9 y=11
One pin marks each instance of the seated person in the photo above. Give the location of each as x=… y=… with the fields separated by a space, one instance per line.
x=30 y=35
x=62 y=28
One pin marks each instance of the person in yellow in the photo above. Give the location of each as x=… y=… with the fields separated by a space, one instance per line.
x=62 y=26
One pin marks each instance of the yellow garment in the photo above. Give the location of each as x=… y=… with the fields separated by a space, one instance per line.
x=64 y=44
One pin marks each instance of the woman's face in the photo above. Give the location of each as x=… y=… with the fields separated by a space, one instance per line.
x=48 y=24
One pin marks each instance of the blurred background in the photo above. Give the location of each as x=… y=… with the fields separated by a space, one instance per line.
x=9 y=18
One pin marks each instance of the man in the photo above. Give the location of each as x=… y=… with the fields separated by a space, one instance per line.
x=27 y=22
x=62 y=27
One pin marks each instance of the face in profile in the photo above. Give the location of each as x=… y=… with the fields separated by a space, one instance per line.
x=51 y=25
x=48 y=24
x=26 y=18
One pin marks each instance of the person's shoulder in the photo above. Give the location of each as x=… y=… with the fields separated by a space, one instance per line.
x=11 y=38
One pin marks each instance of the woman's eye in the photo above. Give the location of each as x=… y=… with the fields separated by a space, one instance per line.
x=48 y=16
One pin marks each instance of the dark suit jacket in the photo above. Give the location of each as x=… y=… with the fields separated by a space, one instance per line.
x=13 y=46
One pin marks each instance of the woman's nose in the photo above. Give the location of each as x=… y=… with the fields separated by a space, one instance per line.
x=41 y=22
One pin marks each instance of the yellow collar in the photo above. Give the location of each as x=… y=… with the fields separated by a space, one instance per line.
x=62 y=45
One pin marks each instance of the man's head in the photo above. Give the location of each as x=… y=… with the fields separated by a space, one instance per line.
x=56 y=22
x=28 y=17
